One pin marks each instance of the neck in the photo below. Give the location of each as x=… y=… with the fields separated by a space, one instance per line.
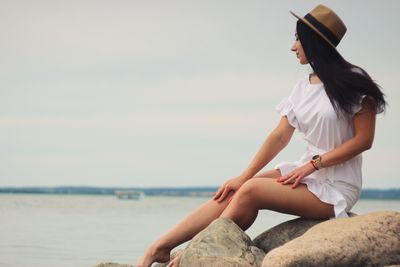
x=314 y=78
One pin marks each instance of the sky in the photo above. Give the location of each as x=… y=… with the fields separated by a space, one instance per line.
x=169 y=93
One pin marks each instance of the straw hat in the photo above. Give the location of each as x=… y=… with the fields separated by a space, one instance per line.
x=326 y=23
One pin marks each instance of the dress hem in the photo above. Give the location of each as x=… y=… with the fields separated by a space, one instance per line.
x=323 y=191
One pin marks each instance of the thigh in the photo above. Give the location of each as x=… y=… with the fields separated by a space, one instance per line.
x=274 y=173
x=268 y=194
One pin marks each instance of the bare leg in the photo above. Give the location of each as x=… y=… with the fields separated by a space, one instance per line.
x=160 y=250
x=258 y=194
x=183 y=231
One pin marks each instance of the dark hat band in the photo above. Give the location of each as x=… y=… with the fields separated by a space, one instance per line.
x=323 y=29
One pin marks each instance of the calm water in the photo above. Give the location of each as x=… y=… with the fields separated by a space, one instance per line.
x=62 y=230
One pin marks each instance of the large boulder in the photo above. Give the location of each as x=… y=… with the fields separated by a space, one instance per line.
x=222 y=244
x=372 y=239
x=173 y=255
x=284 y=232
x=113 y=264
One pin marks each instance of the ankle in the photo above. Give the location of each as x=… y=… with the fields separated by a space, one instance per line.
x=159 y=247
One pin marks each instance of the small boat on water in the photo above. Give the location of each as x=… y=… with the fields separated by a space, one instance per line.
x=129 y=195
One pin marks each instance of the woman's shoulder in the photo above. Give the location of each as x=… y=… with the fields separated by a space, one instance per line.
x=299 y=88
x=304 y=82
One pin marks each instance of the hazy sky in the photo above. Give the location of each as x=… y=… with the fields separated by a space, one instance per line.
x=169 y=93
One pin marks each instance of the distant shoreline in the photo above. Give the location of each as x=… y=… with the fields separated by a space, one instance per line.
x=393 y=193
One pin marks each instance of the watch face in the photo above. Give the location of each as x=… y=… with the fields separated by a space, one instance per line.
x=315 y=157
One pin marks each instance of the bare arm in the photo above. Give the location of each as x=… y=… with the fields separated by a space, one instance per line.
x=364 y=126
x=275 y=142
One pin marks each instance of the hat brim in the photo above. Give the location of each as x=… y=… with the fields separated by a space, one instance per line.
x=313 y=28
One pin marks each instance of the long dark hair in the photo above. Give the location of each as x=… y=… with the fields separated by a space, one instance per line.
x=344 y=83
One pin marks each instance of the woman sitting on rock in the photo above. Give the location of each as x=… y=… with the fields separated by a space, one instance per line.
x=335 y=108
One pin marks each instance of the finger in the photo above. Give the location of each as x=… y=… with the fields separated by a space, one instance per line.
x=172 y=263
x=230 y=199
x=291 y=179
x=219 y=192
x=216 y=195
x=283 y=178
x=296 y=183
x=224 y=194
x=287 y=178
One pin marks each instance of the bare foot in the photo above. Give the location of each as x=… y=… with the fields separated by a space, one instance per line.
x=175 y=260
x=154 y=254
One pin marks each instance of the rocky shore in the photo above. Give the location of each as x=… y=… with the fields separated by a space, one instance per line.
x=371 y=239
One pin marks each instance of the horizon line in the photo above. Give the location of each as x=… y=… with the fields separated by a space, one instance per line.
x=147 y=187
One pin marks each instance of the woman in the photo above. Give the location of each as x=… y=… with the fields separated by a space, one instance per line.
x=335 y=107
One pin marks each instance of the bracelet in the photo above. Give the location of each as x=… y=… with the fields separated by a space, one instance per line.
x=313 y=164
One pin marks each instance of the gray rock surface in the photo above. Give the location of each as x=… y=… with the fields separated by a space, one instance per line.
x=284 y=232
x=173 y=255
x=112 y=264
x=223 y=244
x=372 y=239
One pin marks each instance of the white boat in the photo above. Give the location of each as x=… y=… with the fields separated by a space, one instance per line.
x=133 y=195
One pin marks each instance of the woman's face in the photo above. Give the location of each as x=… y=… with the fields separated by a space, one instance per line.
x=298 y=49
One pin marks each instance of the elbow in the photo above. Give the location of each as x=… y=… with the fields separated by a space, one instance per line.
x=366 y=145
x=362 y=143
x=282 y=140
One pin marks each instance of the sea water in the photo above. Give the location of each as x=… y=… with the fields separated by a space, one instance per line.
x=82 y=230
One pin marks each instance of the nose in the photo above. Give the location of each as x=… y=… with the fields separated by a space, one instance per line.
x=293 y=48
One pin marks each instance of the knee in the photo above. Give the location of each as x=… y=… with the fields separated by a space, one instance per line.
x=246 y=192
x=248 y=187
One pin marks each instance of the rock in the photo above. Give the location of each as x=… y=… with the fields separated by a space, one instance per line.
x=165 y=264
x=112 y=264
x=372 y=239
x=222 y=244
x=284 y=232
x=173 y=255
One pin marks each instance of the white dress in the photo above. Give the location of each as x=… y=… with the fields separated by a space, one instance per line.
x=310 y=111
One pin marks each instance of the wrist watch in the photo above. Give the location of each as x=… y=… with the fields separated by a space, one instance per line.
x=316 y=161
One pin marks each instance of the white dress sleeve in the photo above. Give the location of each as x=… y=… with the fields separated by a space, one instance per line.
x=285 y=108
x=358 y=107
